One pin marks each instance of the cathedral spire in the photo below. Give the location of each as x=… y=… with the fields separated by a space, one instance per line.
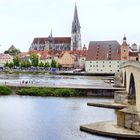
x=51 y=33
x=75 y=23
x=75 y=32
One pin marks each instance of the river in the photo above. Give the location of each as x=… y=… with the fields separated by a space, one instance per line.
x=58 y=80
x=49 y=118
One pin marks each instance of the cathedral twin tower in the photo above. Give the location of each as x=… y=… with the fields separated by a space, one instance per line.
x=60 y=43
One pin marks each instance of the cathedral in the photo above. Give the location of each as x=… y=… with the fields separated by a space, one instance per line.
x=60 y=43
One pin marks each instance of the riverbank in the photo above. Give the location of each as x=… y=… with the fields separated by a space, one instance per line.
x=14 y=71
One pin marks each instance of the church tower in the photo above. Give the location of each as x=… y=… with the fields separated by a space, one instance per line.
x=75 y=32
x=124 y=50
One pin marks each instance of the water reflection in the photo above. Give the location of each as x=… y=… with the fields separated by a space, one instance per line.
x=50 y=118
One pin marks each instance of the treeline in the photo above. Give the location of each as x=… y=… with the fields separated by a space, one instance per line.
x=31 y=61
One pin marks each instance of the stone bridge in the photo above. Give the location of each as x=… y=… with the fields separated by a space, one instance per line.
x=130 y=79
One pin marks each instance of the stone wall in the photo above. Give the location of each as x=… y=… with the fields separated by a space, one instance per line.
x=121 y=97
x=129 y=118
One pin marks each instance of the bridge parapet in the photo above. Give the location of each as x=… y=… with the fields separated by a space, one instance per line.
x=135 y=64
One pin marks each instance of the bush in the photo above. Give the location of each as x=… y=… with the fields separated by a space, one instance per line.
x=5 y=90
x=65 y=92
x=62 y=92
x=46 y=92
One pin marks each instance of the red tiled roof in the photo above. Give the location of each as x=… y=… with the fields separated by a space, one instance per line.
x=56 y=40
x=103 y=50
x=78 y=52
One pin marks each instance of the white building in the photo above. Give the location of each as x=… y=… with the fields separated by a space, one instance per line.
x=103 y=57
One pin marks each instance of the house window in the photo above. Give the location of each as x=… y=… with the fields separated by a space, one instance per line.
x=96 y=61
x=96 y=65
x=90 y=65
x=109 y=65
x=97 y=69
x=103 y=65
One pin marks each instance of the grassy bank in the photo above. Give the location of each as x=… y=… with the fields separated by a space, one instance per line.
x=60 y=92
x=4 y=90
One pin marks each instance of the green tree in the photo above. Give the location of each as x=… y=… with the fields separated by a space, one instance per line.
x=25 y=64
x=47 y=64
x=28 y=63
x=11 y=64
x=6 y=64
x=12 y=51
x=41 y=64
x=53 y=64
x=16 y=61
x=34 y=60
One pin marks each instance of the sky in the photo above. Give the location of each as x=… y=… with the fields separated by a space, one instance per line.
x=22 y=20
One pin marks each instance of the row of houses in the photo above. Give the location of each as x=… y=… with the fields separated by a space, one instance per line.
x=67 y=59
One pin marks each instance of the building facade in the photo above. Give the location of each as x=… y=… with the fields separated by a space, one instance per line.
x=103 y=57
x=67 y=60
x=51 y=43
x=5 y=58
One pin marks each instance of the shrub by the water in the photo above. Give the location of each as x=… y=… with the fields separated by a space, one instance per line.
x=62 y=92
x=4 y=90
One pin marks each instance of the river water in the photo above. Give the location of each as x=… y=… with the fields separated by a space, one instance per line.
x=49 y=118
x=48 y=80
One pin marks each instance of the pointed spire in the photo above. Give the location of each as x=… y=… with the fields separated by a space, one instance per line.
x=51 y=33
x=75 y=32
x=124 y=38
x=75 y=23
x=124 y=41
x=50 y=37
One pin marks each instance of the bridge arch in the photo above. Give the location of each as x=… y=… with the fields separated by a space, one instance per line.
x=132 y=71
x=132 y=90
